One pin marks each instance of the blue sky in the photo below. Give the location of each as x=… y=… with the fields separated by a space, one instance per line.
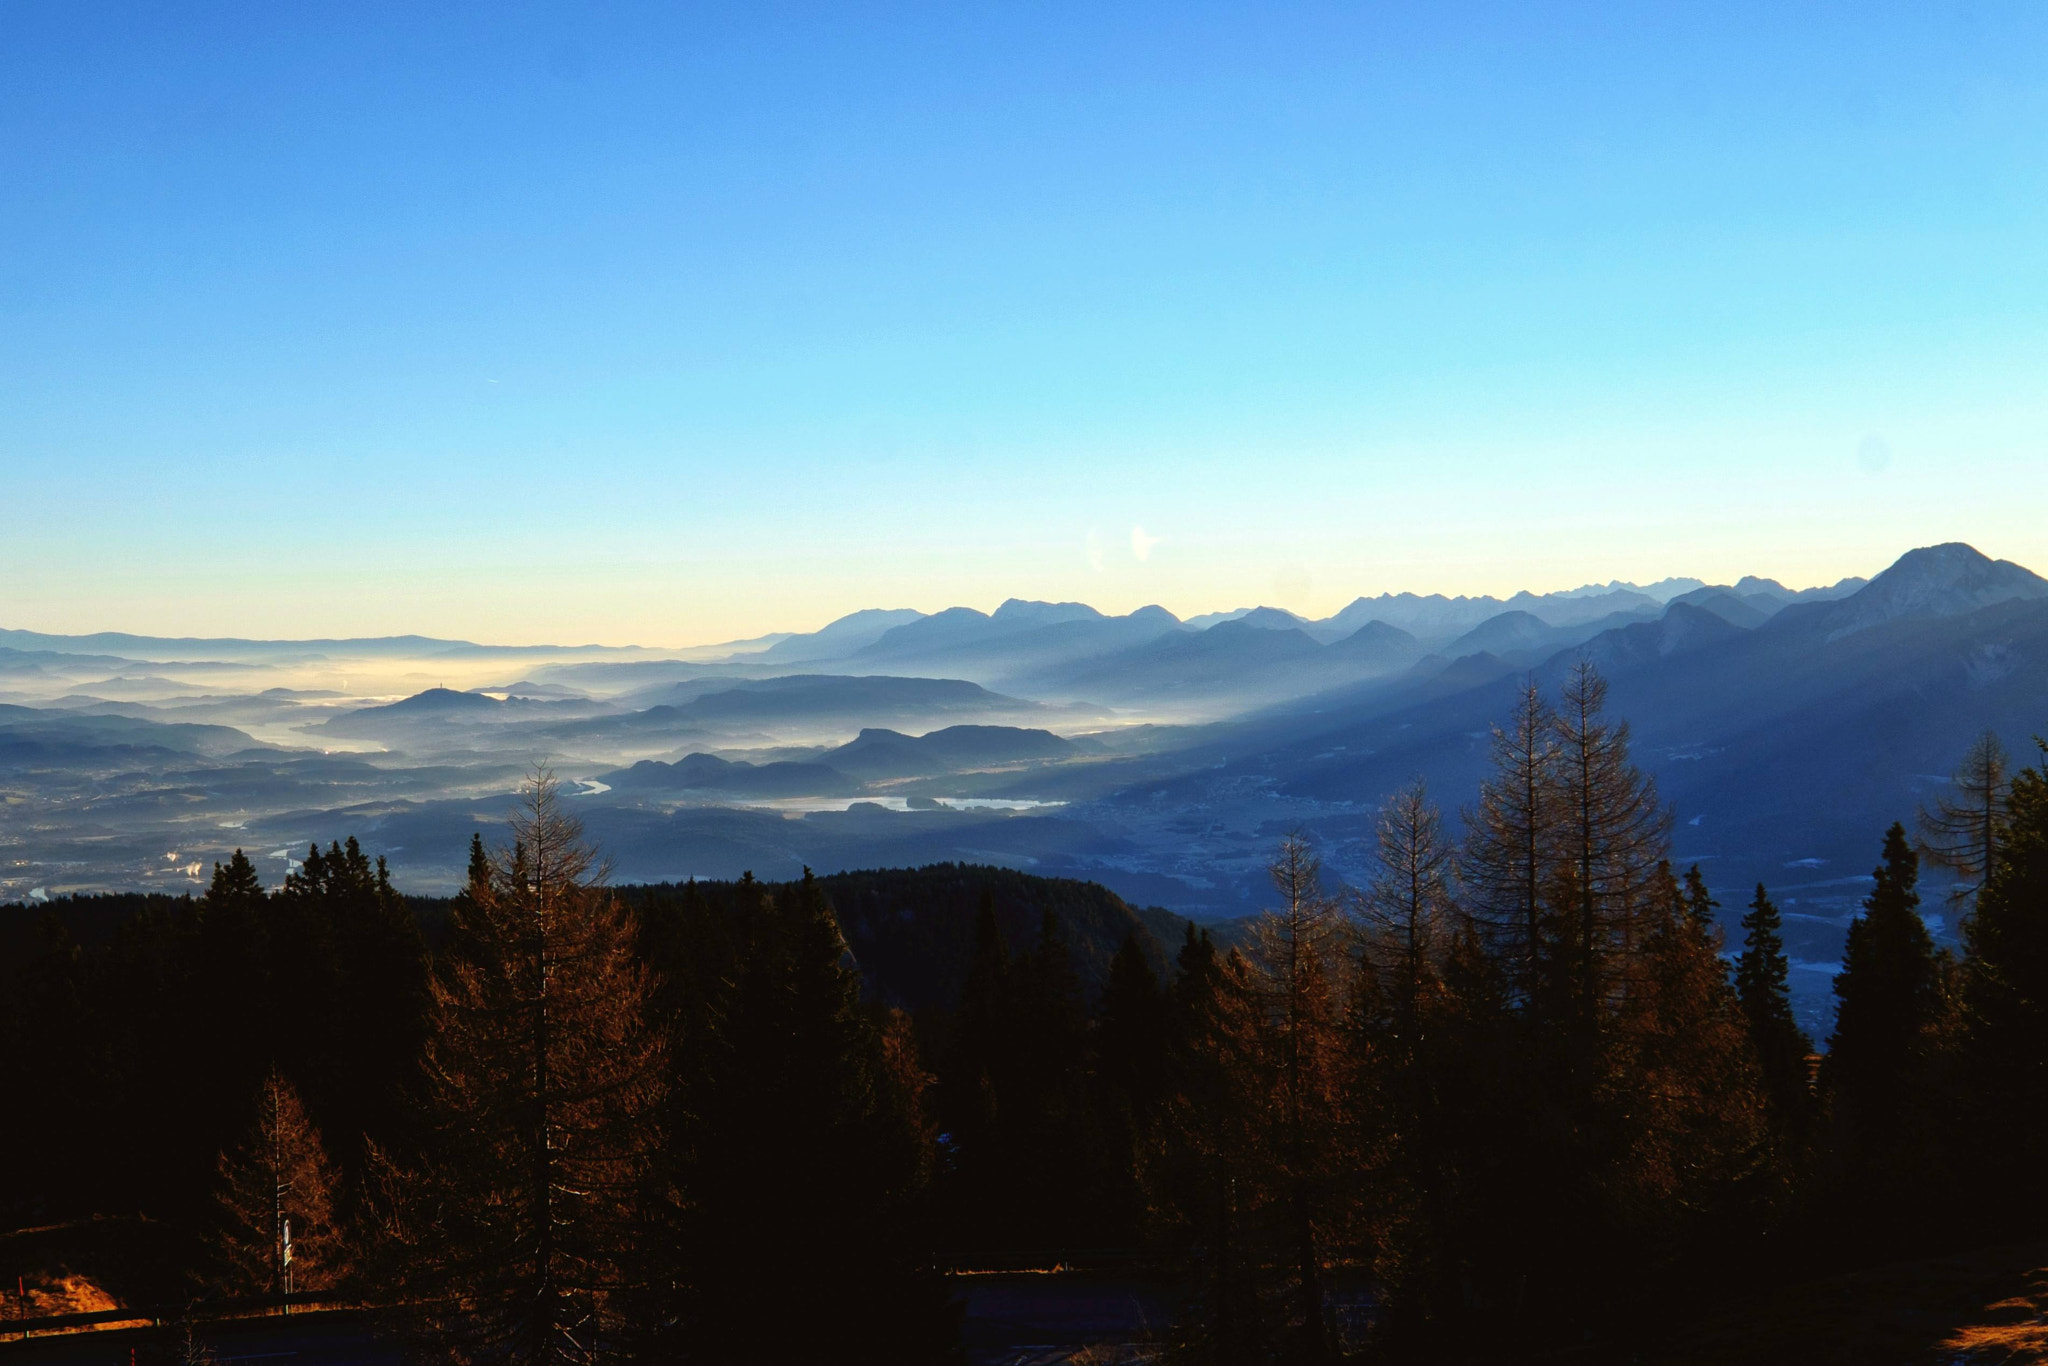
x=676 y=323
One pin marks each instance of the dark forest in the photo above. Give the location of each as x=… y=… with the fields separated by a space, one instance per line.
x=1515 y=1095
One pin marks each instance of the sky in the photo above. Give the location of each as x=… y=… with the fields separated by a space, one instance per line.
x=674 y=323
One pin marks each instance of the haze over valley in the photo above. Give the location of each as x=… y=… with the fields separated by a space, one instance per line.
x=1159 y=757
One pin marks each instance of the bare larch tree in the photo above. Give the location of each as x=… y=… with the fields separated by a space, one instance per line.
x=544 y=1080
x=1960 y=834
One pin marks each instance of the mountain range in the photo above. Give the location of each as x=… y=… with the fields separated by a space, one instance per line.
x=1157 y=756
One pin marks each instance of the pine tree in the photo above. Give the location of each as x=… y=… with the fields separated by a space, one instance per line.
x=1696 y=1156
x=1131 y=1035
x=53 y=1064
x=1961 y=833
x=1511 y=834
x=976 y=1078
x=228 y=1019
x=1887 y=996
x=1130 y=1063
x=348 y=980
x=1699 y=902
x=543 y=1082
x=276 y=1221
x=1463 y=1259
x=1054 y=1142
x=2005 y=1009
x=1762 y=984
x=807 y=1160
x=1203 y=1171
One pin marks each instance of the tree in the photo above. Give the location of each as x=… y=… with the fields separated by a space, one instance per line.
x=1886 y=998
x=1762 y=985
x=1203 y=1171
x=1408 y=906
x=806 y=1165
x=1692 y=1175
x=1891 y=1174
x=276 y=1228
x=1130 y=1063
x=350 y=973
x=1699 y=902
x=975 y=1082
x=2005 y=1006
x=51 y=1063
x=1300 y=1056
x=542 y=1079
x=1510 y=835
x=1612 y=835
x=228 y=1017
x=1960 y=835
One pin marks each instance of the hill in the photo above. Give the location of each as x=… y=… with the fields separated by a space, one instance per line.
x=828 y=697
x=912 y=929
x=878 y=753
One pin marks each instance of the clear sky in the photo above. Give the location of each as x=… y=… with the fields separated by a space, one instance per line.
x=679 y=322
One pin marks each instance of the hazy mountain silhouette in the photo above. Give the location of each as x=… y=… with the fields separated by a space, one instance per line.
x=816 y=697
x=840 y=638
x=41 y=735
x=1936 y=581
x=1377 y=644
x=878 y=753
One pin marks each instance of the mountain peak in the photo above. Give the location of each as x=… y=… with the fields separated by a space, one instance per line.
x=1025 y=612
x=1271 y=619
x=1948 y=580
x=445 y=699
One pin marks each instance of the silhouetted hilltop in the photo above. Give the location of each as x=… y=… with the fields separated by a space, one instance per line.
x=881 y=753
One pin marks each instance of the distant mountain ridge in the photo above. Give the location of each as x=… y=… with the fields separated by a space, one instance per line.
x=1934 y=581
x=996 y=645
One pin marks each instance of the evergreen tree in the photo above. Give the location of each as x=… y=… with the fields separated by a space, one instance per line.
x=542 y=1079
x=1130 y=1053
x=1890 y=1174
x=1762 y=983
x=52 y=1065
x=1055 y=1142
x=1460 y=1266
x=1029 y=1157
x=147 y=1012
x=276 y=1226
x=1699 y=902
x=1694 y=1178
x=226 y=1023
x=975 y=1082
x=808 y=1159
x=1203 y=1170
x=2005 y=1010
x=1131 y=1037
x=1887 y=995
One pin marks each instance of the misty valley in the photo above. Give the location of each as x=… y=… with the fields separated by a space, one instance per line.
x=1157 y=757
